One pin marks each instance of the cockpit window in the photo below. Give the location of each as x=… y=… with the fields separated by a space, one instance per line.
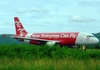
x=90 y=36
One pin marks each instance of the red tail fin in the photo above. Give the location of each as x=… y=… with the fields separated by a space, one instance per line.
x=20 y=31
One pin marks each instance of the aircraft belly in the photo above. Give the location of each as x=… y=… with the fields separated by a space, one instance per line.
x=67 y=41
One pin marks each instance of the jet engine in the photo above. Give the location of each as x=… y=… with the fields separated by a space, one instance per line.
x=50 y=43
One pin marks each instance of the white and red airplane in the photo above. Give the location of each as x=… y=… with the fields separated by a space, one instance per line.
x=62 y=38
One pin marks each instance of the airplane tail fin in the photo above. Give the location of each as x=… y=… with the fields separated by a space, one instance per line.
x=20 y=31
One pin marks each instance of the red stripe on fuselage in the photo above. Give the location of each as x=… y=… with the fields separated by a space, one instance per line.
x=67 y=38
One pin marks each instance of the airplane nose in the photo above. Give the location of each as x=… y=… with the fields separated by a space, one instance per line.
x=96 y=40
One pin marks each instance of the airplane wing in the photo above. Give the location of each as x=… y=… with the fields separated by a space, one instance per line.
x=44 y=40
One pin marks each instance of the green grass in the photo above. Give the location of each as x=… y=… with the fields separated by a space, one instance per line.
x=31 y=57
x=49 y=64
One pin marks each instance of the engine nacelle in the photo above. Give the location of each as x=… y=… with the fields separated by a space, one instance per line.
x=33 y=42
x=51 y=43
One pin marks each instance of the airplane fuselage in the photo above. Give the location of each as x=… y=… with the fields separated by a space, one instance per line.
x=65 y=38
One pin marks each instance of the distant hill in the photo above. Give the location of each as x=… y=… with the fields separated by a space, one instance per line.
x=97 y=35
x=8 y=40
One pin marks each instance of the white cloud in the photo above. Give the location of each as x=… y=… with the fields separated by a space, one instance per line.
x=21 y=10
x=78 y=19
x=90 y=3
x=38 y=10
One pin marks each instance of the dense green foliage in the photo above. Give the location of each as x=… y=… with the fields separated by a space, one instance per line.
x=33 y=51
x=32 y=57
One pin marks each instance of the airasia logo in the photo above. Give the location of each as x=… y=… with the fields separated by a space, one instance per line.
x=20 y=29
x=18 y=23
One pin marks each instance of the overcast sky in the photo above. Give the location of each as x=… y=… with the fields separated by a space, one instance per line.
x=51 y=15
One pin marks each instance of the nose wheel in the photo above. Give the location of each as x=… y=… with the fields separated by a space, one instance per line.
x=84 y=47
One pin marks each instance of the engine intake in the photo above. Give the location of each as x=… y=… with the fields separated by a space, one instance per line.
x=51 y=43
